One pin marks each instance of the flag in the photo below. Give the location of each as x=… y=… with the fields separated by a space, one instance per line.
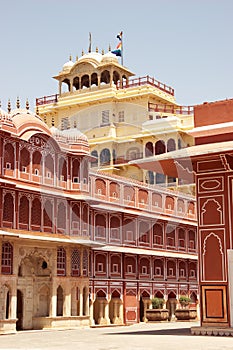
x=119 y=36
x=117 y=51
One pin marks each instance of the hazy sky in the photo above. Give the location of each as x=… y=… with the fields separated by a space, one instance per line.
x=186 y=44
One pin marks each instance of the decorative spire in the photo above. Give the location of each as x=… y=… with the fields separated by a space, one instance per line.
x=70 y=58
x=18 y=103
x=9 y=106
x=109 y=48
x=27 y=105
x=82 y=52
x=96 y=50
x=102 y=51
x=77 y=58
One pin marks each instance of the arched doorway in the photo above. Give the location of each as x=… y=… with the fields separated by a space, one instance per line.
x=19 y=312
x=171 y=305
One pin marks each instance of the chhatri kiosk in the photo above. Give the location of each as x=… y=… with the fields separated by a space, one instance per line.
x=210 y=164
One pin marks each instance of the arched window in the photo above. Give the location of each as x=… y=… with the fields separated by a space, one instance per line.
x=75 y=220
x=7 y=259
x=65 y=85
x=94 y=79
x=62 y=175
x=24 y=211
x=100 y=226
x=151 y=177
x=75 y=263
x=171 y=145
x=36 y=163
x=61 y=262
x=24 y=160
x=85 y=262
x=61 y=216
x=149 y=149
x=105 y=157
x=36 y=212
x=94 y=162
x=49 y=167
x=160 y=147
x=9 y=157
x=144 y=232
x=76 y=171
x=116 y=77
x=8 y=210
x=48 y=214
x=76 y=83
x=85 y=81
x=105 y=77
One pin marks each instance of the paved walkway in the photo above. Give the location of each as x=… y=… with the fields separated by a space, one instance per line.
x=150 y=336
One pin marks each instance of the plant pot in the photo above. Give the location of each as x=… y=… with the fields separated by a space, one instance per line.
x=186 y=314
x=157 y=315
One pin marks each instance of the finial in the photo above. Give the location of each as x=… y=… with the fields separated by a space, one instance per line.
x=52 y=121
x=109 y=48
x=77 y=58
x=82 y=52
x=96 y=50
x=9 y=106
x=70 y=58
x=27 y=105
x=102 y=51
x=18 y=103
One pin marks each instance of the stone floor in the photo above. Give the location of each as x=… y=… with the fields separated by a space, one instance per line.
x=161 y=336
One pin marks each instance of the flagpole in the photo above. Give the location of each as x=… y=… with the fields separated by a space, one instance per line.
x=122 y=48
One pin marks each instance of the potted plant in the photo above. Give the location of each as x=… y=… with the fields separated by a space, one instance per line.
x=185 y=312
x=157 y=313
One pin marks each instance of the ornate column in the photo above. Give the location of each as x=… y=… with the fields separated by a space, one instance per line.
x=106 y=312
x=67 y=304
x=81 y=301
x=115 y=311
x=91 y=313
x=101 y=312
x=53 y=301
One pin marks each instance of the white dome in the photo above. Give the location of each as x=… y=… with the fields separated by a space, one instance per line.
x=109 y=57
x=74 y=133
x=92 y=55
x=68 y=65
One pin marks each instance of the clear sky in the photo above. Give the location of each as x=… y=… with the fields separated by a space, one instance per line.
x=186 y=44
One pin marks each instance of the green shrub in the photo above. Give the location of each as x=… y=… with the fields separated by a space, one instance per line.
x=184 y=300
x=157 y=303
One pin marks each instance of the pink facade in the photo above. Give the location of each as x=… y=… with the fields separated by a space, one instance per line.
x=128 y=241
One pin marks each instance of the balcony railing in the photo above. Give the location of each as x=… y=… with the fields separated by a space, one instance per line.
x=46 y=100
x=126 y=159
x=154 y=107
x=147 y=80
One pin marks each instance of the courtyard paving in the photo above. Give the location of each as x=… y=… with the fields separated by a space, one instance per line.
x=160 y=336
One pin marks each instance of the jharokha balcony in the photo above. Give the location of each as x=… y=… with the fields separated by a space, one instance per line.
x=125 y=84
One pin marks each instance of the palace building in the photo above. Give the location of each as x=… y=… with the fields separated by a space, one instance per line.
x=124 y=117
x=210 y=162
x=81 y=246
